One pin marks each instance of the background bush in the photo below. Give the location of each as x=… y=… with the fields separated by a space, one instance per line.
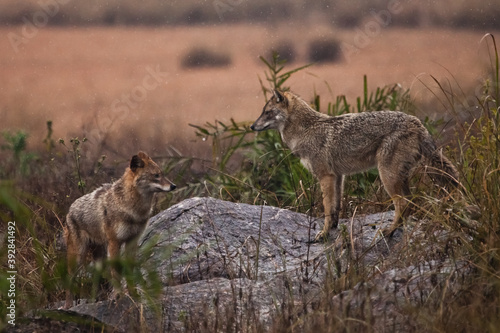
x=324 y=50
x=285 y=49
x=203 y=57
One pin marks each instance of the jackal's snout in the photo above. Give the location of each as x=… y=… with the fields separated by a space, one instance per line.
x=160 y=183
x=267 y=120
x=253 y=127
x=257 y=126
x=169 y=186
x=274 y=113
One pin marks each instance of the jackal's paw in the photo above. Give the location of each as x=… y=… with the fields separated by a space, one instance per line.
x=67 y=305
x=116 y=295
x=389 y=232
x=321 y=236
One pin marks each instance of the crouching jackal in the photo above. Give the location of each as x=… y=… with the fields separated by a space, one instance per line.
x=331 y=147
x=114 y=214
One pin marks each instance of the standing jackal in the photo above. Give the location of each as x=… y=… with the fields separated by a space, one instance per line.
x=331 y=147
x=114 y=214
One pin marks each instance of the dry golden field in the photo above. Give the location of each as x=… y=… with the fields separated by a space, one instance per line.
x=125 y=88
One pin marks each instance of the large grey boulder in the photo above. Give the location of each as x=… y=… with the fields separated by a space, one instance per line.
x=223 y=263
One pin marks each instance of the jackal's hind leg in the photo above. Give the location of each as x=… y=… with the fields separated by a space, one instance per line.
x=397 y=186
x=113 y=256
x=76 y=248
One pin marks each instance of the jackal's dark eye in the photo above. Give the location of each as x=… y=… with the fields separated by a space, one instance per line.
x=157 y=176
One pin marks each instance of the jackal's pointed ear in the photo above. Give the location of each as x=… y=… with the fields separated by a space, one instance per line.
x=143 y=155
x=137 y=162
x=278 y=95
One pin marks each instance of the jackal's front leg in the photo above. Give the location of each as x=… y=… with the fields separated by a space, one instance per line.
x=130 y=254
x=113 y=254
x=331 y=188
x=77 y=249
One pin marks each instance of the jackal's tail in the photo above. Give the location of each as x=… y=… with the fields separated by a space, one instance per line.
x=440 y=168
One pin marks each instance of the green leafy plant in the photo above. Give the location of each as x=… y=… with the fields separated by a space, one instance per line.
x=275 y=74
x=17 y=143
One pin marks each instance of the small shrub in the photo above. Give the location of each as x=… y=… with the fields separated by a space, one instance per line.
x=203 y=57
x=322 y=50
x=16 y=143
